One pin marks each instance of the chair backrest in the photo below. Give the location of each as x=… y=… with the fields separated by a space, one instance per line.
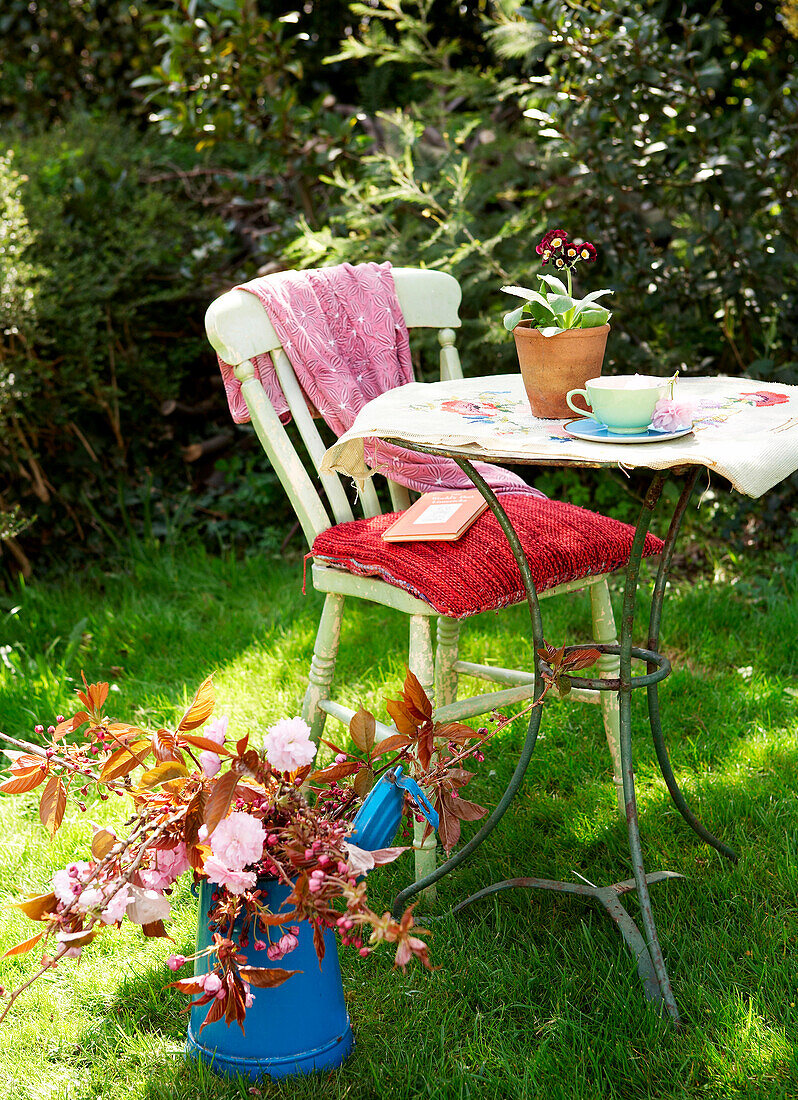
x=239 y=328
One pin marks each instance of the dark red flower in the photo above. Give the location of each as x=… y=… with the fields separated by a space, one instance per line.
x=558 y=235
x=587 y=252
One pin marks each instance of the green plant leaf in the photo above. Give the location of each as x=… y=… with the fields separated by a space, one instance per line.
x=541 y=314
x=593 y=295
x=592 y=317
x=512 y=318
x=554 y=283
x=561 y=303
x=529 y=295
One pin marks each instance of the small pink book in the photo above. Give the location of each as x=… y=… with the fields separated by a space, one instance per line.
x=441 y=517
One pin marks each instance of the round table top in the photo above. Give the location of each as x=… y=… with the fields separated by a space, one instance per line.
x=744 y=430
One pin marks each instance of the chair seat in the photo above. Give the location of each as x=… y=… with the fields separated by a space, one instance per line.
x=478 y=571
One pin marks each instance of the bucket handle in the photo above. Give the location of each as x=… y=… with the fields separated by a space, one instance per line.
x=406 y=783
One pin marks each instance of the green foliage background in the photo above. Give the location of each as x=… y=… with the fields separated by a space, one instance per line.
x=159 y=153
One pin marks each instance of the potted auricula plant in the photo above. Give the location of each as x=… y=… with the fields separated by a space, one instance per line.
x=560 y=339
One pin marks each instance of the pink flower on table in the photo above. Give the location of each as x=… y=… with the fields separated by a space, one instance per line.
x=169 y=864
x=288 y=745
x=237 y=840
x=670 y=415
x=234 y=879
x=211 y=762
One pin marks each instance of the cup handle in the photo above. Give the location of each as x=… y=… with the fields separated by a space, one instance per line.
x=571 y=405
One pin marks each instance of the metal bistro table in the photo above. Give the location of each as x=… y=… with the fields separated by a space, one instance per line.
x=745 y=431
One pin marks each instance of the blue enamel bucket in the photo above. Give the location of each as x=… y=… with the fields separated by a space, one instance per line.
x=301 y=1025
x=297 y=1027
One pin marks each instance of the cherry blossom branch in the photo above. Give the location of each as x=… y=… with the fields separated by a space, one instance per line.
x=62 y=950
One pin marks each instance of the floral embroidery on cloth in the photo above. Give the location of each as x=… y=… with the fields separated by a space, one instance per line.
x=748 y=436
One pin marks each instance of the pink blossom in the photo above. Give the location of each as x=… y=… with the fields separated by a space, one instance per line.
x=116 y=907
x=236 y=880
x=216 y=729
x=238 y=840
x=174 y=962
x=288 y=943
x=406 y=948
x=211 y=983
x=211 y=762
x=168 y=865
x=274 y=953
x=67 y=884
x=288 y=745
x=90 y=898
x=361 y=861
x=670 y=415
x=249 y=1000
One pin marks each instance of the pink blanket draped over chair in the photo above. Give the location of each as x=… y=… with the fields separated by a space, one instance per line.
x=343 y=330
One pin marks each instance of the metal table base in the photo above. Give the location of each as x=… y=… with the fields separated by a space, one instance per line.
x=644 y=945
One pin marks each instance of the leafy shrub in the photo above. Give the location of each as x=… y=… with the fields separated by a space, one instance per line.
x=59 y=55
x=231 y=79
x=103 y=325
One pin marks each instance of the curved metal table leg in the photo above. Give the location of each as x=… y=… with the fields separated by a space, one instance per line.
x=625 y=704
x=651 y=966
x=645 y=947
x=608 y=896
x=653 y=698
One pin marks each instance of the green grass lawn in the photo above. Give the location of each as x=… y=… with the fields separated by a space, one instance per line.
x=536 y=994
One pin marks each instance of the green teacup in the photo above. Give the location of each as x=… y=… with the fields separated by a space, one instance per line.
x=623 y=405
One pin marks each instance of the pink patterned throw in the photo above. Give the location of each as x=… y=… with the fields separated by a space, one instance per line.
x=343 y=330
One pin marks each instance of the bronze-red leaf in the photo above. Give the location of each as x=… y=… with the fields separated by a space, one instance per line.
x=220 y=799
x=265 y=977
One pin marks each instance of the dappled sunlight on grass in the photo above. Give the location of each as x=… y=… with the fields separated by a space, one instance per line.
x=537 y=994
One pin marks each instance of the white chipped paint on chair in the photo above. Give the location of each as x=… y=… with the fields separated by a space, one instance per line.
x=238 y=327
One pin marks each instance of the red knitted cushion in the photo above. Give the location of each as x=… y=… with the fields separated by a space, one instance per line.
x=478 y=572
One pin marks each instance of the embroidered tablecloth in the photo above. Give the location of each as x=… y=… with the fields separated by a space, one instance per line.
x=744 y=430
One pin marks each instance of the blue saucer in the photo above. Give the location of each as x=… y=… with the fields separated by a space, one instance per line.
x=591 y=430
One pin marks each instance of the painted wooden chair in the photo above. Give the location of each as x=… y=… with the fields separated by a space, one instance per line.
x=239 y=329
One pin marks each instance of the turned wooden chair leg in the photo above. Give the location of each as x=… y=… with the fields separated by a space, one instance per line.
x=322 y=666
x=422 y=664
x=448 y=635
x=609 y=667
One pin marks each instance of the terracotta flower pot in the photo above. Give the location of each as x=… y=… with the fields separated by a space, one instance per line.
x=553 y=365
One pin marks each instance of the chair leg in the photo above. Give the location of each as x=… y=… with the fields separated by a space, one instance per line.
x=422 y=664
x=322 y=666
x=448 y=635
x=609 y=667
